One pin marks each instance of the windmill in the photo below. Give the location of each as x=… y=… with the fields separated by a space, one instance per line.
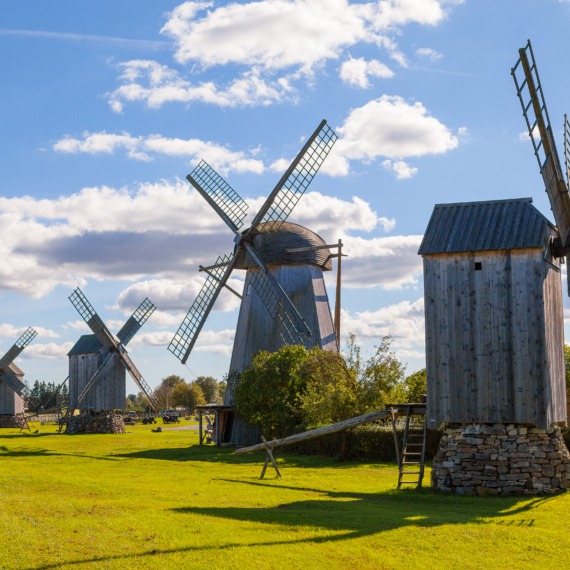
x=284 y=300
x=13 y=392
x=98 y=362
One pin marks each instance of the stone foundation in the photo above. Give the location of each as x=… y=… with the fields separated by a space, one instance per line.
x=96 y=424
x=499 y=459
x=12 y=422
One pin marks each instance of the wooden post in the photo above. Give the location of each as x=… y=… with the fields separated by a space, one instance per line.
x=395 y=437
x=200 y=424
x=217 y=428
x=337 y=302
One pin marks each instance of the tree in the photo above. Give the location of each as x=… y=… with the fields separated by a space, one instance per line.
x=165 y=390
x=210 y=389
x=188 y=396
x=414 y=386
x=222 y=386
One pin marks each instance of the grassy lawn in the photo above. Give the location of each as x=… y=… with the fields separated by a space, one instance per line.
x=150 y=500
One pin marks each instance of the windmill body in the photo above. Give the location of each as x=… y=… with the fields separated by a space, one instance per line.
x=11 y=403
x=301 y=277
x=85 y=358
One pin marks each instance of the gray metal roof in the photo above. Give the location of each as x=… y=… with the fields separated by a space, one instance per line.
x=485 y=226
x=87 y=344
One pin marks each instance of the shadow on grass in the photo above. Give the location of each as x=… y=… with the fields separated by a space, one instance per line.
x=349 y=516
x=38 y=452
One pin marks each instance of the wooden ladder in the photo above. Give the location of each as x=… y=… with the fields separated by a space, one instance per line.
x=413 y=452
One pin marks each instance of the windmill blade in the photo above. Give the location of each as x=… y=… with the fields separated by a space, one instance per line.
x=295 y=181
x=14 y=382
x=185 y=338
x=219 y=194
x=137 y=377
x=87 y=312
x=538 y=124
x=136 y=321
x=276 y=301
x=19 y=345
x=96 y=379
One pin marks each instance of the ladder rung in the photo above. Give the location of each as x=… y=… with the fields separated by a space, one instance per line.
x=410 y=453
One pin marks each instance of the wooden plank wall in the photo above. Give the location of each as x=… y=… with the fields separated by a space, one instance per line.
x=110 y=394
x=492 y=352
x=10 y=402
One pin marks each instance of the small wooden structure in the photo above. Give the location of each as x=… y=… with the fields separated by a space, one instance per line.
x=11 y=403
x=85 y=358
x=494 y=319
x=220 y=430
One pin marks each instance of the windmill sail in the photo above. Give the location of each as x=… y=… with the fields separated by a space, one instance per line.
x=296 y=180
x=136 y=321
x=215 y=189
x=94 y=322
x=567 y=147
x=13 y=381
x=188 y=332
x=535 y=112
x=137 y=377
x=19 y=345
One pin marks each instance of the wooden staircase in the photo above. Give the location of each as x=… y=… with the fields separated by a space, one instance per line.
x=411 y=460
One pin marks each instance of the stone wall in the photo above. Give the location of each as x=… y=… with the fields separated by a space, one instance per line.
x=96 y=424
x=501 y=459
x=13 y=422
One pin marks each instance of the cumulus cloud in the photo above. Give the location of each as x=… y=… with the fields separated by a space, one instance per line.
x=389 y=127
x=428 y=53
x=220 y=342
x=404 y=322
x=78 y=325
x=357 y=71
x=400 y=168
x=279 y=34
x=50 y=351
x=15 y=332
x=156 y=84
x=142 y=148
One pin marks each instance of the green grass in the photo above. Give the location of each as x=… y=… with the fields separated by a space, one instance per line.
x=159 y=501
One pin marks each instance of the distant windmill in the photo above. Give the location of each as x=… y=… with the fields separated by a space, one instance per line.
x=97 y=362
x=285 y=299
x=13 y=392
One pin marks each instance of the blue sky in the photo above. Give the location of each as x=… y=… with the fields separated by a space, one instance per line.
x=106 y=106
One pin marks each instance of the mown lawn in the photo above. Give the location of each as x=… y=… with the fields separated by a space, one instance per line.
x=146 y=500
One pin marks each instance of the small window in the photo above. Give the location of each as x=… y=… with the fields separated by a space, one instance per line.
x=478 y=266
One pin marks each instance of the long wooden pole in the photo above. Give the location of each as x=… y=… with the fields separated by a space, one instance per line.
x=337 y=302
x=353 y=422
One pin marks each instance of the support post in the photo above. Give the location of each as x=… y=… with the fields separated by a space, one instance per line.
x=395 y=437
x=337 y=302
x=200 y=425
x=268 y=457
x=217 y=428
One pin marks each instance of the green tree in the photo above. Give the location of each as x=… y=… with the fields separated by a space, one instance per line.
x=412 y=388
x=222 y=386
x=188 y=396
x=210 y=389
x=165 y=390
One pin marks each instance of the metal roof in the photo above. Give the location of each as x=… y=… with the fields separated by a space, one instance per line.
x=87 y=344
x=485 y=226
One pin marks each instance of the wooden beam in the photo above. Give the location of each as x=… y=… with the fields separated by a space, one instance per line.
x=214 y=266
x=337 y=302
x=225 y=284
x=314 y=248
x=353 y=422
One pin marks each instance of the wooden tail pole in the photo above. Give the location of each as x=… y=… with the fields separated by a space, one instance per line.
x=353 y=422
x=337 y=302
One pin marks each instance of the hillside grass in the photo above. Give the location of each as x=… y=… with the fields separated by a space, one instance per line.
x=159 y=501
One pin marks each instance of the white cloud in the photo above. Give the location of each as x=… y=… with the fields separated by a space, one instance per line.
x=404 y=322
x=428 y=52
x=141 y=148
x=220 y=342
x=401 y=168
x=356 y=71
x=79 y=325
x=279 y=34
x=15 y=332
x=50 y=351
x=164 y=85
x=387 y=127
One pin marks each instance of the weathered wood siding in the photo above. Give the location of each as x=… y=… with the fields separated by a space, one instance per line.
x=494 y=338
x=110 y=394
x=10 y=402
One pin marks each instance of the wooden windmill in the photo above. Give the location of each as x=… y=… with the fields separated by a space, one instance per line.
x=493 y=294
x=13 y=392
x=98 y=362
x=285 y=299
